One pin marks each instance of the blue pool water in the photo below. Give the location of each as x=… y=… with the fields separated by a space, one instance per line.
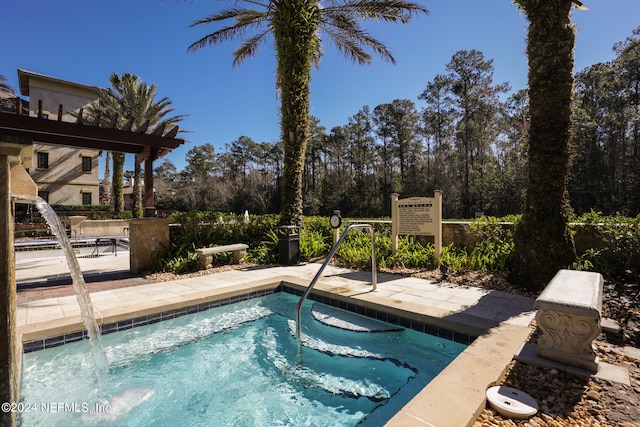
x=236 y=365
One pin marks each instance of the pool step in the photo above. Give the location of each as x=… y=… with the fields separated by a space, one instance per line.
x=342 y=319
x=333 y=368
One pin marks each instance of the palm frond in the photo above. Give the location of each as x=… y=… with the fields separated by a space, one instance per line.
x=4 y=85
x=130 y=98
x=351 y=40
x=249 y=47
x=348 y=47
x=223 y=15
x=378 y=10
x=244 y=19
x=318 y=52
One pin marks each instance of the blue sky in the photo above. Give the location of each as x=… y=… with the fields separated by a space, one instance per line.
x=85 y=41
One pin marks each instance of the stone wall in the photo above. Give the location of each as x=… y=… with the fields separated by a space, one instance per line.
x=461 y=235
x=82 y=227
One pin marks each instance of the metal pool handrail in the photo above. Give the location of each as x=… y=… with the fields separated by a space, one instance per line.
x=332 y=252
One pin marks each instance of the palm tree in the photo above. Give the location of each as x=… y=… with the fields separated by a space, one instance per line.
x=4 y=85
x=543 y=241
x=7 y=101
x=130 y=99
x=295 y=26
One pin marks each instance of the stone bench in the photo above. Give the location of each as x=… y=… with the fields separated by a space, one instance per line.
x=569 y=314
x=205 y=255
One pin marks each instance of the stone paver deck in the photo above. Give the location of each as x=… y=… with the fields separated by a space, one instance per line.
x=454 y=398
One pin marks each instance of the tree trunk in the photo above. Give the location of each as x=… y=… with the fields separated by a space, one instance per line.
x=118 y=177
x=107 y=193
x=294 y=30
x=543 y=243
x=137 y=191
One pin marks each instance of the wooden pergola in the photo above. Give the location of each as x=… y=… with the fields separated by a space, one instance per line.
x=147 y=147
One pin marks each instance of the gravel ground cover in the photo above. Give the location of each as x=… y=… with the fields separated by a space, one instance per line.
x=570 y=400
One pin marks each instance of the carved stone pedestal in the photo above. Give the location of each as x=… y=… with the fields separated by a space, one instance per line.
x=568 y=339
x=569 y=313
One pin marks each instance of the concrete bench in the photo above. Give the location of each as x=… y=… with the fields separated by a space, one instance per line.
x=569 y=314
x=205 y=255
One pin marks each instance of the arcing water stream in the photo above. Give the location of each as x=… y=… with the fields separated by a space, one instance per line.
x=79 y=285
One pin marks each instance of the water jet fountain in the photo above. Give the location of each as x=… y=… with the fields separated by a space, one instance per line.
x=15 y=156
x=79 y=285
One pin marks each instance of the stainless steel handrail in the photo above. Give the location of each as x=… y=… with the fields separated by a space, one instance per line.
x=332 y=252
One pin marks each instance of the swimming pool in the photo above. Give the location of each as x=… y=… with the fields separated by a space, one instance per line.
x=236 y=365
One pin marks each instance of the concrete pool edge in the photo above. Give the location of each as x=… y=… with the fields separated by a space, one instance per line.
x=454 y=398
x=73 y=324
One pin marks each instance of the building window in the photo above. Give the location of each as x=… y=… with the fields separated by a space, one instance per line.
x=44 y=195
x=86 y=164
x=86 y=198
x=43 y=160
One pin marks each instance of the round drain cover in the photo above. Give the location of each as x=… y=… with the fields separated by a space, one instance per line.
x=511 y=403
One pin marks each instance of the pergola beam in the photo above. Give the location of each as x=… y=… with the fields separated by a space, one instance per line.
x=146 y=147
x=79 y=135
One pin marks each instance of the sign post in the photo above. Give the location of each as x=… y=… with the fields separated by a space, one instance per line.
x=418 y=216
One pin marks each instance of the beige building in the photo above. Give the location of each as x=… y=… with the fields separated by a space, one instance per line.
x=64 y=175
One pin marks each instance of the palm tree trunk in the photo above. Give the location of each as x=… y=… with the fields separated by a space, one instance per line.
x=107 y=193
x=294 y=30
x=543 y=241
x=118 y=177
x=137 y=191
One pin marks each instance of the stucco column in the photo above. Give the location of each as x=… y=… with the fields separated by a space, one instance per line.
x=10 y=349
x=437 y=208
x=148 y=242
x=394 y=222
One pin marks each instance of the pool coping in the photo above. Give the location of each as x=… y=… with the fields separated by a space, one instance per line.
x=454 y=398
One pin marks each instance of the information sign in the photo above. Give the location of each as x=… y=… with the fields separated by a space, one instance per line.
x=417 y=216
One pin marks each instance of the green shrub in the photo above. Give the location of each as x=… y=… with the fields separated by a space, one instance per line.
x=492 y=251
x=411 y=253
x=205 y=229
x=27 y=213
x=316 y=238
x=313 y=244
x=182 y=264
x=494 y=246
x=617 y=256
x=265 y=251
x=355 y=249
x=615 y=246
